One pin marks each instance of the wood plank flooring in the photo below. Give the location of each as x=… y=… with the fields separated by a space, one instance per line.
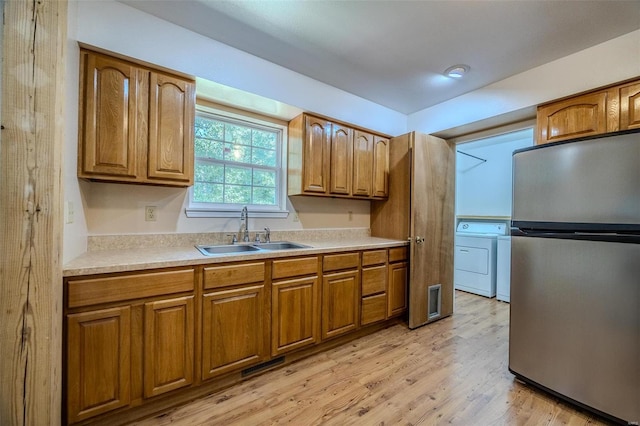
x=453 y=371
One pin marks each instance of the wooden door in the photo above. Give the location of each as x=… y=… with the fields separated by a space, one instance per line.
x=432 y=224
x=380 y=167
x=168 y=345
x=630 y=107
x=362 y=163
x=340 y=303
x=171 y=122
x=397 y=294
x=316 y=155
x=341 y=160
x=579 y=116
x=233 y=330
x=109 y=122
x=98 y=362
x=294 y=314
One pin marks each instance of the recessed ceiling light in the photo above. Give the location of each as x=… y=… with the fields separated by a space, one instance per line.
x=457 y=71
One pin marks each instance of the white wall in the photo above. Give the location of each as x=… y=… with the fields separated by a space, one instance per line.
x=484 y=188
x=606 y=63
x=74 y=234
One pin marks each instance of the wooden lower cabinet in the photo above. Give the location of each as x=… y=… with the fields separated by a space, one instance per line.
x=294 y=314
x=168 y=345
x=234 y=330
x=340 y=307
x=99 y=362
x=397 y=294
x=131 y=338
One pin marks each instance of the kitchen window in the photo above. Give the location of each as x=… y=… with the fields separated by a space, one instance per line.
x=239 y=161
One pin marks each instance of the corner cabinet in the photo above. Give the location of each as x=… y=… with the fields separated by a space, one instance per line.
x=602 y=111
x=332 y=159
x=135 y=123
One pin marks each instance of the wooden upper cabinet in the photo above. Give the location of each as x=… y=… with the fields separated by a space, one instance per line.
x=380 y=167
x=171 y=122
x=135 y=123
x=317 y=148
x=332 y=159
x=362 y=163
x=605 y=110
x=630 y=106
x=109 y=117
x=341 y=159
x=584 y=115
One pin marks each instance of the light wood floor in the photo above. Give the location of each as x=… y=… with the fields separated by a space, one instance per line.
x=453 y=371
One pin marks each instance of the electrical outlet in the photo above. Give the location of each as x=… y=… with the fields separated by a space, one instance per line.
x=150 y=214
x=68 y=212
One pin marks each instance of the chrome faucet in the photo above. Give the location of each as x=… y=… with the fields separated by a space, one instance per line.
x=267 y=235
x=244 y=225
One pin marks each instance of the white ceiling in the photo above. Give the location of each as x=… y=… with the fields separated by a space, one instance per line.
x=394 y=52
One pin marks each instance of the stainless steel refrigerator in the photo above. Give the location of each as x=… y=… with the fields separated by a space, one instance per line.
x=575 y=272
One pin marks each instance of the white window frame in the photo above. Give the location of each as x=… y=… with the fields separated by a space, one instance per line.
x=255 y=210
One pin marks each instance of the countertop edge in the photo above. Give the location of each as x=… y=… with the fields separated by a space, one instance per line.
x=131 y=260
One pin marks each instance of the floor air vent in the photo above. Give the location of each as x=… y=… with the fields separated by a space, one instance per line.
x=263 y=366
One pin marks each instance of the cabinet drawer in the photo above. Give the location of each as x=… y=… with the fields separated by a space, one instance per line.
x=374 y=257
x=336 y=262
x=397 y=254
x=92 y=291
x=374 y=280
x=222 y=276
x=294 y=267
x=374 y=308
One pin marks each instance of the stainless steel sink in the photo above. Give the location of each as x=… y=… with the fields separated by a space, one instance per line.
x=226 y=249
x=281 y=245
x=248 y=248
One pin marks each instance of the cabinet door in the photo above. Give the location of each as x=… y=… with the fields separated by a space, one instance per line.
x=171 y=122
x=341 y=159
x=380 y=167
x=584 y=115
x=98 y=362
x=233 y=330
x=397 y=297
x=630 y=107
x=294 y=314
x=340 y=303
x=168 y=345
x=109 y=121
x=362 y=163
x=316 y=156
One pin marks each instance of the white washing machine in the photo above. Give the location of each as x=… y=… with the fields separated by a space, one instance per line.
x=503 y=268
x=475 y=256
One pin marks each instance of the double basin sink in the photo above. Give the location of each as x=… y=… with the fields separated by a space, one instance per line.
x=248 y=248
